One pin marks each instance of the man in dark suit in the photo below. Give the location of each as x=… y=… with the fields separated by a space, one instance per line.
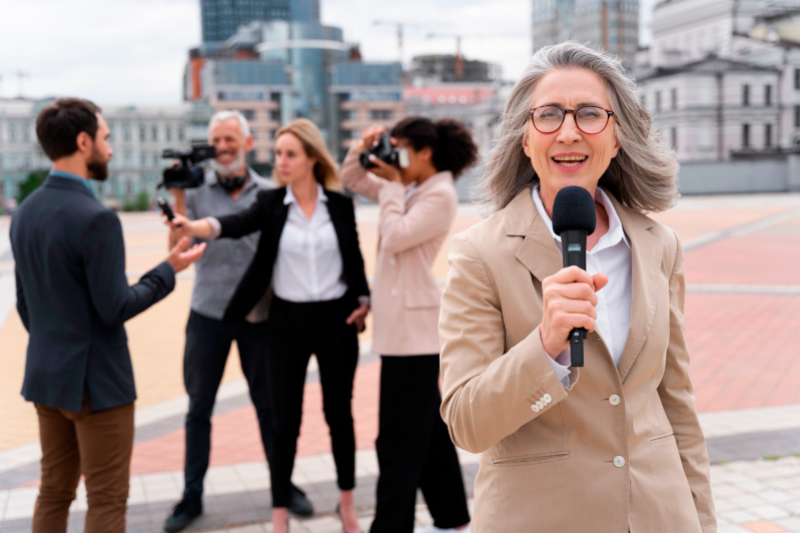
x=73 y=298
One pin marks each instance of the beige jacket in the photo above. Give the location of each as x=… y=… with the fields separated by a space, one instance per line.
x=405 y=296
x=621 y=448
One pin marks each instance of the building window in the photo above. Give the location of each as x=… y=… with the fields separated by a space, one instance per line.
x=126 y=133
x=181 y=133
x=674 y=99
x=745 y=95
x=154 y=132
x=275 y=114
x=129 y=188
x=249 y=114
x=658 y=101
x=155 y=159
x=746 y=136
x=144 y=159
x=380 y=114
x=797 y=79
x=674 y=135
x=797 y=116
x=168 y=133
x=768 y=95
x=142 y=133
x=768 y=135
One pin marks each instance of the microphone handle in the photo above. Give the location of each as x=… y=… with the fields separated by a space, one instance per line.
x=573 y=245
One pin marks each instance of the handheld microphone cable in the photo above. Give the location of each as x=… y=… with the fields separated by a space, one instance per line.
x=574 y=218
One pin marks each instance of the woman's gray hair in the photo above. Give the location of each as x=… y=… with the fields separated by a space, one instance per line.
x=643 y=175
x=224 y=116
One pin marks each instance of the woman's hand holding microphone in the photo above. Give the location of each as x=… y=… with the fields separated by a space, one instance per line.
x=180 y=227
x=570 y=297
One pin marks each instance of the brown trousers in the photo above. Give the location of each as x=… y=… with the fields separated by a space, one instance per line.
x=95 y=445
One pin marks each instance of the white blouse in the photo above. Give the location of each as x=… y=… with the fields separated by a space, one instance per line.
x=612 y=257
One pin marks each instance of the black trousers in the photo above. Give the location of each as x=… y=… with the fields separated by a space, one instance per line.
x=208 y=343
x=297 y=330
x=415 y=450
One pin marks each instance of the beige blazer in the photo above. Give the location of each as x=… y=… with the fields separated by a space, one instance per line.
x=405 y=296
x=581 y=463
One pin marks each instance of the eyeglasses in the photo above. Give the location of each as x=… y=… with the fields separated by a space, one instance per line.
x=589 y=119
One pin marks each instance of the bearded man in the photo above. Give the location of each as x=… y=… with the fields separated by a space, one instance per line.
x=73 y=298
x=231 y=187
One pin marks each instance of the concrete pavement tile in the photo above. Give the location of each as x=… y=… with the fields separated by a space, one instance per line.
x=769 y=512
x=764 y=527
x=326 y=524
x=792 y=522
x=776 y=496
x=746 y=501
x=738 y=516
x=722 y=504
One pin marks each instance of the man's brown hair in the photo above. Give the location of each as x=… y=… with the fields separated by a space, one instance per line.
x=59 y=124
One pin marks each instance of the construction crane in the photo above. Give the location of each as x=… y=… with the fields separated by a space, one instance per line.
x=400 y=28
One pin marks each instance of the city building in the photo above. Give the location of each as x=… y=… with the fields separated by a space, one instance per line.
x=716 y=91
x=362 y=95
x=221 y=19
x=448 y=68
x=139 y=134
x=611 y=25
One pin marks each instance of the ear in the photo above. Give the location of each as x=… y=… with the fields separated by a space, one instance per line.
x=84 y=142
x=426 y=154
x=248 y=144
x=526 y=145
x=617 y=146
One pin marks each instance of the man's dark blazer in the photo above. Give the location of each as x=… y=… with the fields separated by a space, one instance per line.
x=73 y=297
x=269 y=215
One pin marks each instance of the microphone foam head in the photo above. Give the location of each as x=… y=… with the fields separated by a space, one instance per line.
x=574 y=209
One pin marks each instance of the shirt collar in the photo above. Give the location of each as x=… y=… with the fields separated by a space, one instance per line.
x=70 y=175
x=615 y=232
x=290 y=198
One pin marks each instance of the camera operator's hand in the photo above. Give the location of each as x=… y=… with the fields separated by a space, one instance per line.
x=384 y=170
x=182 y=255
x=570 y=297
x=369 y=138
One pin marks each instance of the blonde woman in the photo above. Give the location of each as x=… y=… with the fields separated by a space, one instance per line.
x=615 y=446
x=309 y=250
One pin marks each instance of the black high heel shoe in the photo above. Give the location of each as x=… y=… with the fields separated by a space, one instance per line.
x=339 y=513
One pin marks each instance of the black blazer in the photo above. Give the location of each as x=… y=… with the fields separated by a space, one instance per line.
x=73 y=297
x=269 y=215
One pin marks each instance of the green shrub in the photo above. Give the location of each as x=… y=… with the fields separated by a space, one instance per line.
x=31 y=183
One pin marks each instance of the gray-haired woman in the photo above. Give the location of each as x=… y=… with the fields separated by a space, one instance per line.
x=620 y=449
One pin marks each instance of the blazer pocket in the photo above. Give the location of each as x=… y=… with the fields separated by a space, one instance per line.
x=661 y=439
x=535 y=459
x=422 y=298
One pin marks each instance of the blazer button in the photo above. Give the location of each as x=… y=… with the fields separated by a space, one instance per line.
x=535 y=408
x=547 y=399
x=540 y=405
x=614 y=400
x=619 y=461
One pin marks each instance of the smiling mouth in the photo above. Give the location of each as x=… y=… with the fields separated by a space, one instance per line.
x=570 y=160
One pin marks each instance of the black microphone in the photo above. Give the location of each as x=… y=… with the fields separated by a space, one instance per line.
x=574 y=218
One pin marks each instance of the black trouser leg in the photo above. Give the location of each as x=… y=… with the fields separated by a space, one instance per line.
x=208 y=343
x=441 y=480
x=337 y=355
x=287 y=362
x=409 y=410
x=251 y=339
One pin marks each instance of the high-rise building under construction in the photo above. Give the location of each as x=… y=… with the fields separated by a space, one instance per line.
x=611 y=25
x=222 y=18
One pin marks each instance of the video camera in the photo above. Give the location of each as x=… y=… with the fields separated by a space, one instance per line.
x=386 y=153
x=186 y=175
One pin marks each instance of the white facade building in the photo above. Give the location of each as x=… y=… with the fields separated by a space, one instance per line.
x=715 y=91
x=139 y=134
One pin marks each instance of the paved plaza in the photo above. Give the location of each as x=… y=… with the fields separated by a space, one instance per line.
x=742 y=316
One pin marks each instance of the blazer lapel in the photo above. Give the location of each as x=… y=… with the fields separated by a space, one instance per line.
x=646 y=258
x=538 y=251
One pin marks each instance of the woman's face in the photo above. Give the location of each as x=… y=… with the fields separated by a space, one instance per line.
x=419 y=162
x=291 y=160
x=569 y=156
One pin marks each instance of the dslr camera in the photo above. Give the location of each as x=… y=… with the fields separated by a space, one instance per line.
x=386 y=153
x=186 y=175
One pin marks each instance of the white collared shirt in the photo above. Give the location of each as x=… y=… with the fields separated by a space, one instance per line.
x=309 y=264
x=612 y=257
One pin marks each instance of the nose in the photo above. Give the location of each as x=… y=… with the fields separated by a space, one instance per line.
x=569 y=132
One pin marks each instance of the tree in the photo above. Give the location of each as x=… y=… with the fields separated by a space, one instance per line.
x=142 y=202
x=31 y=183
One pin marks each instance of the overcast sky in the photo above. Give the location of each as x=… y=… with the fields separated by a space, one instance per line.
x=134 y=51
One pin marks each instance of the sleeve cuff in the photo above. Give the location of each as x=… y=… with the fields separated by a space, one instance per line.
x=216 y=227
x=562 y=372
